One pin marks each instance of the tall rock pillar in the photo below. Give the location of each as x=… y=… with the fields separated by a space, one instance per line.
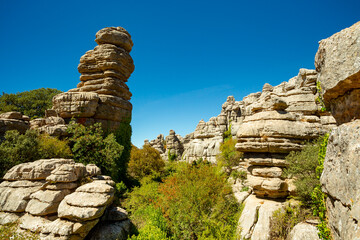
x=102 y=94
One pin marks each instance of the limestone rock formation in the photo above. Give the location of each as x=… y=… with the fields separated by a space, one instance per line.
x=304 y=231
x=102 y=95
x=13 y=121
x=254 y=222
x=279 y=120
x=45 y=196
x=51 y=124
x=338 y=63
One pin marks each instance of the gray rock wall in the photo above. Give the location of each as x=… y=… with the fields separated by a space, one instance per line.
x=338 y=64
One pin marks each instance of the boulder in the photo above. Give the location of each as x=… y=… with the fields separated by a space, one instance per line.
x=304 y=231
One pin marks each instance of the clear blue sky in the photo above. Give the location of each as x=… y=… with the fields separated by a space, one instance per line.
x=189 y=55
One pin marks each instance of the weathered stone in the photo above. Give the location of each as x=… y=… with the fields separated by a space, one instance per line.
x=7 y=217
x=114 y=214
x=254 y=222
x=96 y=187
x=67 y=173
x=34 y=224
x=111 y=231
x=115 y=35
x=304 y=231
x=93 y=199
x=15 y=199
x=93 y=170
x=37 y=170
x=79 y=213
x=340 y=180
x=71 y=104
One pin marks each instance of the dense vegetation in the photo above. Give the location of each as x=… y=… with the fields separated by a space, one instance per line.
x=305 y=167
x=192 y=201
x=31 y=103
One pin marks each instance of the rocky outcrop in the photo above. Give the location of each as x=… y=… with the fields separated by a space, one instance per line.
x=279 y=120
x=51 y=124
x=254 y=222
x=102 y=95
x=304 y=231
x=46 y=197
x=338 y=64
x=13 y=121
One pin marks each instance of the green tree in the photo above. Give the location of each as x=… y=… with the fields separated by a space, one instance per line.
x=32 y=103
x=89 y=145
x=123 y=137
x=144 y=162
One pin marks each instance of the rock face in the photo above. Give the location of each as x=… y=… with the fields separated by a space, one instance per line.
x=102 y=95
x=45 y=196
x=13 y=121
x=304 y=231
x=338 y=63
x=52 y=124
x=254 y=222
x=279 y=120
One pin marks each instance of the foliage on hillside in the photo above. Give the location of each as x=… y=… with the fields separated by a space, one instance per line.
x=195 y=201
x=18 y=148
x=32 y=103
x=90 y=145
x=144 y=162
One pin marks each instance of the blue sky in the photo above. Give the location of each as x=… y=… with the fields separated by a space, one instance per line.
x=189 y=55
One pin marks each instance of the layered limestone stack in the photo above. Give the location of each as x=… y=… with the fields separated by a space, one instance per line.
x=102 y=94
x=45 y=196
x=279 y=120
x=13 y=121
x=338 y=64
x=51 y=124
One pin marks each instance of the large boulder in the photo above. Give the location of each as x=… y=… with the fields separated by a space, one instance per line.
x=13 y=121
x=338 y=64
x=45 y=197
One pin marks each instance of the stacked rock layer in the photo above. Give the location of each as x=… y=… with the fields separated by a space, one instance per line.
x=102 y=94
x=13 y=121
x=279 y=120
x=338 y=63
x=45 y=196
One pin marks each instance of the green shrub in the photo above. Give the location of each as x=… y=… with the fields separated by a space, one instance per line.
x=198 y=202
x=18 y=148
x=123 y=137
x=144 y=162
x=31 y=103
x=171 y=156
x=9 y=231
x=284 y=219
x=89 y=145
x=154 y=224
x=302 y=167
x=229 y=157
x=52 y=147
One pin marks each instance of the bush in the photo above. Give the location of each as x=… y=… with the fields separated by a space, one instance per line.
x=283 y=220
x=19 y=148
x=144 y=162
x=89 y=145
x=51 y=147
x=302 y=167
x=123 y=137
x=229 y=157
x=198 y=202
x=31 y=103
